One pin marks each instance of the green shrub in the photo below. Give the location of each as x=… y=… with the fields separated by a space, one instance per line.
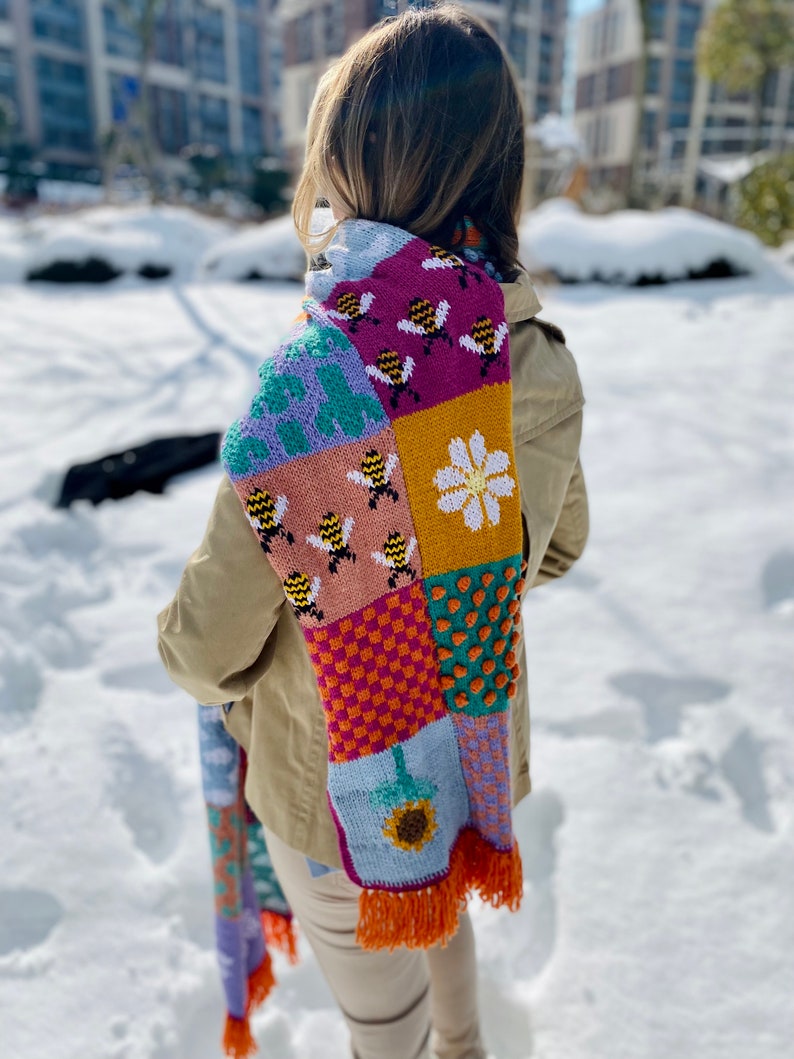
x=766 y=200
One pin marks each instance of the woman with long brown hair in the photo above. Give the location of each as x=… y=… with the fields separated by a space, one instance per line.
x=407 y=469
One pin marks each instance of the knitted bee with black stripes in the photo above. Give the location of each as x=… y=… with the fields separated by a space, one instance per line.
x=444 y=259
x=266 y=517
x=486 y=342
x=393 y=372
x=302 y=594
x=333 y=535
x=375 y=475
x=396 y=555
x=427 y=321
x=353 y=310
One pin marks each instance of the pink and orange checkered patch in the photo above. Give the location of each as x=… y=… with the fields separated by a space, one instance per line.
x=378 y=674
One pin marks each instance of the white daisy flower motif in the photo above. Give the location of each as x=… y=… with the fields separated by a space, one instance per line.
x=474 y=480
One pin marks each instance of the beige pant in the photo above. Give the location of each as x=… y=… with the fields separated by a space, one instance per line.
x=390 y=1000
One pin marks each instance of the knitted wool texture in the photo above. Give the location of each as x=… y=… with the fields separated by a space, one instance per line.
x=376 y=468
x=251 y=912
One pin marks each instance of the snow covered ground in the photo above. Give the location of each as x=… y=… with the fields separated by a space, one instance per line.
x=658 y=844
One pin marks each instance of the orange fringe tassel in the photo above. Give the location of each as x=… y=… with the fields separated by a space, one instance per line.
x=280 y=934
x=238 y=1042
x=260 y=982
x=418 y=919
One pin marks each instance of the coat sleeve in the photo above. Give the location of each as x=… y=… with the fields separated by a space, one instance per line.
x=570 y=533
x=218 y=635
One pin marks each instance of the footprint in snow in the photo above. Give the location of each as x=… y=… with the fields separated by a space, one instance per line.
x=142 y=791
x=777 y=583
x=663 y=698
x=27 y=918
x=742 y=766
x=20 y=688
x=537 y=821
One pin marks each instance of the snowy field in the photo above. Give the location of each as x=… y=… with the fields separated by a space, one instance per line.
x=658 y=844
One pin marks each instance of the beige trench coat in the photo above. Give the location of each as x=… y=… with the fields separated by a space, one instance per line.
x=228 y=635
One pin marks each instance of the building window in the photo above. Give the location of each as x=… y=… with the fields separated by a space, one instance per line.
x=585 y=92
x=214 y=120
x=253 y=141
x=210 y=52
x=689 y=16
x=653 y=76
x=648 y=132
x=657 y=13
x=168 y=42
x=517 y=47
x=250 y=58
x=546 y=63
x=119 y=37
x=5 y=9
x=304 y=29
x=58 y=20
x=683 y=80
x=620 y=81
x=334 y=29
x=7 y=74
x=542 y=106
x=63 y=102
x=169 y=111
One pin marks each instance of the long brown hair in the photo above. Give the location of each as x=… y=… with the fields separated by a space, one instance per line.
x=418 y=123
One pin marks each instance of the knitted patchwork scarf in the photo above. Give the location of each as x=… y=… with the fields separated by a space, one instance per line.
x=376 y=468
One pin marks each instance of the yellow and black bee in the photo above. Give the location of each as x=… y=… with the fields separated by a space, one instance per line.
x=353 y=310
x=266 y=516
x=426 y=321
x=445 y=259
x=393 y=372
x=486 y=342
x=303 y=593
x=396 y=555
x=375 y=475
x=333 y=537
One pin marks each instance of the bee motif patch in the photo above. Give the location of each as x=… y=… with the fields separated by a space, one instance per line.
x=302 y=594
x=446 y=260
x=266 y=517
x=486 y=342
x=395 y=373
x=396 y=555
x=427 y=322
x=375 y=476
x=353 y=310
x=332 y=537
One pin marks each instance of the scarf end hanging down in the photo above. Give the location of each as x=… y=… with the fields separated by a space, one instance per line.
x=252 y=918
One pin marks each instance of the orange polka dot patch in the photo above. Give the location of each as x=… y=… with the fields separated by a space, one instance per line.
x=475 y=615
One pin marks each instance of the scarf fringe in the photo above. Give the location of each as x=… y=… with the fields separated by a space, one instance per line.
x=280 y=934
x=260 y=983
x=418 y=919
x=238 y=1041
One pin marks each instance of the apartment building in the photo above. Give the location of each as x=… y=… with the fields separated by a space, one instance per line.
x=72 y=69
x=532 y=31
x=609 y=47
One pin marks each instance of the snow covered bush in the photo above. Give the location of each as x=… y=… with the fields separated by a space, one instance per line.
x=766 y=200
x=634 y=247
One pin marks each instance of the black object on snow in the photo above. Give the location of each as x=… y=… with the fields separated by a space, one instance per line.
x=91 y=270
x=144 y=467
